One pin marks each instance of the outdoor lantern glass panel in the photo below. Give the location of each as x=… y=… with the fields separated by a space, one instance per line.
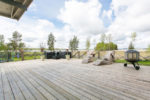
x=132 y=55
x=129 y=56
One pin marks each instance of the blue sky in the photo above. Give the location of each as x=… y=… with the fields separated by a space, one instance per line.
x=83 y=18
x=49 y=9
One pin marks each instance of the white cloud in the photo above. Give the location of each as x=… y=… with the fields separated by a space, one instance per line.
x=80 y=18
x=35 y=31
x=83 y=17
x=131 y=16
x=83 y=20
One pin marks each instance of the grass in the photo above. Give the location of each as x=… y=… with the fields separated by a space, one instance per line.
x=19 y=59
x=27 y=58
x=145 y=63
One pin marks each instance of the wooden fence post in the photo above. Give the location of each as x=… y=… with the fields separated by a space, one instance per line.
x=22 y=55
x=98 y=54
x=78 y=54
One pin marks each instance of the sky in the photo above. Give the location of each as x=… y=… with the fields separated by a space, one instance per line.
x=84 y=19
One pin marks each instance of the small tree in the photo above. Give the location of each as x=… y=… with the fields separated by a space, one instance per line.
x=131 y=46
x=42 y=47
x=103 y=37
x=21 y=46
x=51 y=41
x=73 y=43
x=16 y=41
x=21 y=49
x=2 y=44
x=88 y=44
x=1 y=39
x=109 y=39
x=133 y=37
x=94 y=42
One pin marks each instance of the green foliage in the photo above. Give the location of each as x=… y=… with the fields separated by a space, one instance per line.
x=106 y=46
x=8 y=46
x=112 y=46
x=51 y=41
x=16 y=42
x=100 y=46
x=1 y=39
x=28 y=58
x=3 y=46
x=131 y=46
x=146 y=63
x=73 y=43
x=21 y=45
x=88 y=44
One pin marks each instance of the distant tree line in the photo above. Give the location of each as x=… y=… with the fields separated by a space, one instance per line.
x=15 y=43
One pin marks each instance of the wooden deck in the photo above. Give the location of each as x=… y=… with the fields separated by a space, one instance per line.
x=71 y=80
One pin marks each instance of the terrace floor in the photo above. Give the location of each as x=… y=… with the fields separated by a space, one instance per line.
x=71 y=80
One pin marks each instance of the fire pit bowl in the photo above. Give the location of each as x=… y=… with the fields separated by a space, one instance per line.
x=132 y=56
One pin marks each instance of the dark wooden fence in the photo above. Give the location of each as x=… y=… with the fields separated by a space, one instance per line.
x=12 y=56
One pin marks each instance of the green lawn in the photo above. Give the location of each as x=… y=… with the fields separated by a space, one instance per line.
x=146 y=63
x=27 y=58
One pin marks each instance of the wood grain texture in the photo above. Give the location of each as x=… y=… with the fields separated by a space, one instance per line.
x=72 y=80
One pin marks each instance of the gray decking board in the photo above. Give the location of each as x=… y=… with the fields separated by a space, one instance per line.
x=71 y=80
x=1 y=86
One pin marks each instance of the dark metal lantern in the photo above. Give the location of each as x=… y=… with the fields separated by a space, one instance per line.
x=132 y=56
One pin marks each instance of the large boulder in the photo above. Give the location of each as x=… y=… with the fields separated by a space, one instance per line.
x=89 y=58
x=109 y=58
x=86 y=60
x=102 y=62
